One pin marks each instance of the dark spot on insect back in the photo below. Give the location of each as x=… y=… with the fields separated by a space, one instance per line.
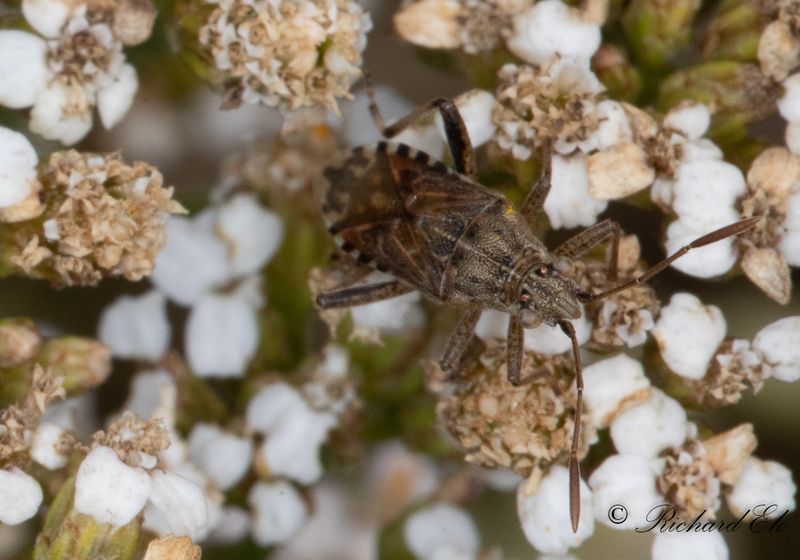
x=403 y=150
x=382 y=147
x=364 y=259
x=381 y=267
x=347 y=247
x=422 y=158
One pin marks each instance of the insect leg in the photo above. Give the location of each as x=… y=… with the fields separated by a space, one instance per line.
x=515 y=344
x=707 y=239
x=454 y=127
x=574 y=465
x=581 y=243
x=361 y=295
x=459 y=339
x=533 y=203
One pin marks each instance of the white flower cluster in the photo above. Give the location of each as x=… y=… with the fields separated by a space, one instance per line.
x=211 y=263
x=74 y=63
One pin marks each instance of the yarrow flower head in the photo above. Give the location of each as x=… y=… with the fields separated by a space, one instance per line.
x=286 y=54
x=99 y=217
x=74 y=63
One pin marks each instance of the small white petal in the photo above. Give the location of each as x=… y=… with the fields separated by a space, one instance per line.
x=650 y=427
x=792 y=137
x=397 y=477
x=48 y=17
x=136 y=326
x=221 y=336
x=610 y=383
x=700 y=148
x=115 y=99
x=688 y=333
x=476 y=108
x=764 y=484
x=692 y=120
x=251 y=232
x=233 y=526
x=689 y=546
x=705 y=192
x=441 y=531
x=399 y=313
x=18 y=162
x=706 y=262
x=545 y=517
x=62 y=113
x=108 y=489
x=790 y=242
x=789 y=103
x=626 y=480
x=569 y=203
x=278 y=511
x=193 y=259
x=294 y=432
x=543 y=339
x=23 y=68
x=614 y=127
x=224 y=457
x=779 y=342
x=550 y=28
x=147 y=391
x=43 y=447
x=20 y=496
x=182 y=503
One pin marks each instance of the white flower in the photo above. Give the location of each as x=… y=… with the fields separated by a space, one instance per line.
x=779 y=343
x=109 y=490
x=193 y=259
x=20 y=496
x=543 y=339
x=792 y=137
x=545 y=516
x=279 y=511
x=475 y=108
x=18 y=162
x=704 y=196
x=116 y=97
x=251 y=232
x=221 y=336
x=764 y=484
x=224 y=457
x=441 y=531
x=611 y=385
x=650 y=427
x=550 y=28
x=62 y=112
x=181 y=502
x=789 y=103
x=136 y=326
x=627 y=480
x=294 y=432
x=233 y=526
x=689 y=546
x=149 y=389
x=48 y=17
x=43 y=447
x=569 y=203
x=688 y=334
x=23 y=68
x=691 y=119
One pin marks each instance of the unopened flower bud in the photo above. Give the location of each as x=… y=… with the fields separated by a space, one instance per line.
x=733 y=33
x=82 y=362
x=613 y=68
x=19 y=341
x=658 y=30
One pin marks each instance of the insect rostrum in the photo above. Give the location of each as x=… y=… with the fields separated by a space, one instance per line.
x=438 y=231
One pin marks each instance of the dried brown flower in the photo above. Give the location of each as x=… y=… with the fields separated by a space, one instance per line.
x=103 y=218
x=19 y=341
x=689 y=481
x=526 y=428
x=286 y=54
x=131 y=437
x=735 y=368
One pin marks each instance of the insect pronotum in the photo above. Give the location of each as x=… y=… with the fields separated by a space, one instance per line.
x=436 y=230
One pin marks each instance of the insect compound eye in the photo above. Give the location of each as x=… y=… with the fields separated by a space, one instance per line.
x=525 y=298
x=542 y=270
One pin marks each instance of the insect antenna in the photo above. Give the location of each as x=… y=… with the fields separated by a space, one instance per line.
x=707 y=239
x=574 y=464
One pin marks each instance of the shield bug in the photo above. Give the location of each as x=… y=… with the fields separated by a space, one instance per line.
x=437 y=230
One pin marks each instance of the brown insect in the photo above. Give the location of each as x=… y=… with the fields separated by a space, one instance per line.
x=438 y=231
